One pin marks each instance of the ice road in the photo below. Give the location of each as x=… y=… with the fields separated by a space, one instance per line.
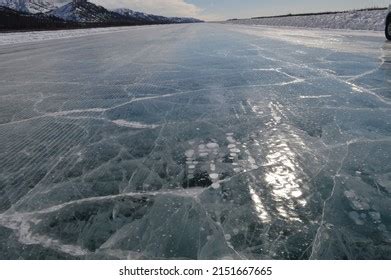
x=206 y=141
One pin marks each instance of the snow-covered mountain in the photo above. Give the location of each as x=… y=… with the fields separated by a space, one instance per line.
x=184 y=20
x=31 y=6
x=86 y=12
x=153 y=18
x=78 y=13
x=140 y=16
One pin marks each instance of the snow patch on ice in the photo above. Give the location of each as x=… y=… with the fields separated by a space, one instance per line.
x=137 y=125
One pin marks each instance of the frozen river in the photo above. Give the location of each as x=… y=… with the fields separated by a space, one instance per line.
x=204 y=141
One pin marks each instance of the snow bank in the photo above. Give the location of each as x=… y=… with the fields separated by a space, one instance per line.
x=356 y=20
x=36 y=36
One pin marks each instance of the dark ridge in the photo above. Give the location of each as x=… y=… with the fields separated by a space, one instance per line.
x=15 y=20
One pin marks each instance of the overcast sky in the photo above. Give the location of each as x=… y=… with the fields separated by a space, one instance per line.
x=224 y=9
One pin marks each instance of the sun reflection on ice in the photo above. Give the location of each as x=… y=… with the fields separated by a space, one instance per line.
x=283 y=174
x=258 y=205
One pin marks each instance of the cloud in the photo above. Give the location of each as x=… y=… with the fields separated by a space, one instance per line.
x=160 y=7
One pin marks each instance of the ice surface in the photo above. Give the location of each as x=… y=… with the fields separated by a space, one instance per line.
x=196 y=142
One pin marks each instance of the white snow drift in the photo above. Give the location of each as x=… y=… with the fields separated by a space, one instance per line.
x=37 y=36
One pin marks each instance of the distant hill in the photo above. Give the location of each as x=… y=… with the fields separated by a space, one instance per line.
x=154 y=18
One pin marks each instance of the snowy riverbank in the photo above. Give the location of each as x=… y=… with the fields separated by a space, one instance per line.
x=355 y=20
x=37 y=36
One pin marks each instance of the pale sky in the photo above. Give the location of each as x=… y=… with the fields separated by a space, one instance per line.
x=225 y=9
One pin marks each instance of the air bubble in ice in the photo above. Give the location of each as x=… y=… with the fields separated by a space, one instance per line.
x=189 y=153
x=356 y=218
x=212 y=145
